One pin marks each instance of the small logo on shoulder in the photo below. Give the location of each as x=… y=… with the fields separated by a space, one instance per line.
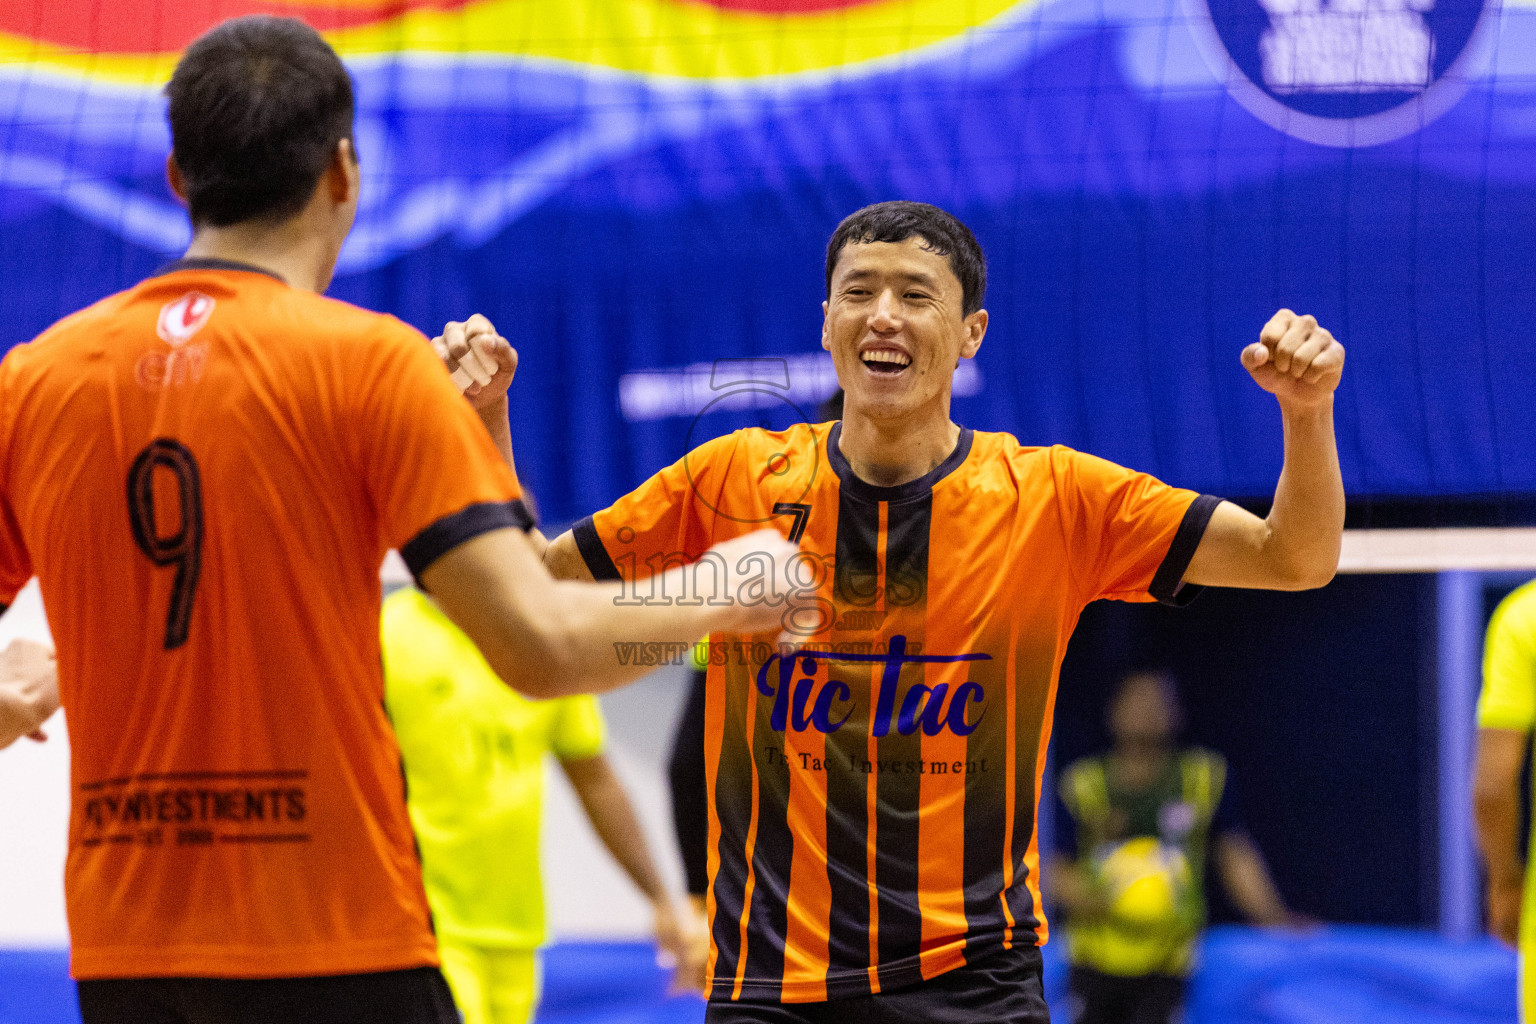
x=183 y=364
x=184 y=317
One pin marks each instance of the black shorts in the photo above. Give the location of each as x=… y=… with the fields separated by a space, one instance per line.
x=415 y=996
x=1110 y=999
x=1001 y=988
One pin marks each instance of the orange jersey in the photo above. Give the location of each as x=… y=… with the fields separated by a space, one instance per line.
x=872 y=798
x=205 y=472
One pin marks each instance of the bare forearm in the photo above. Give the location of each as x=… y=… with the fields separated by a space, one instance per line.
x=613 y=819
x=1496 y=808
x=494 y=416
x=1306 y=522
x=496 y=424
x=1297 y=547
x=602 y=633
x=1248 y=882
x=1069 y=886
x=563 y=559
x=580 y=639
x=549 y=638
x=1498 y=834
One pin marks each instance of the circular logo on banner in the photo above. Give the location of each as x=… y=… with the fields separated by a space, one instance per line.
x=1343 y=72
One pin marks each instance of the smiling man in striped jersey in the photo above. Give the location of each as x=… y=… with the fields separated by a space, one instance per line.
x=872 y=850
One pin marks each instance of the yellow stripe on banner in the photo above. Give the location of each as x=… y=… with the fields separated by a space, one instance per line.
x=120 y=69
x=675 y=38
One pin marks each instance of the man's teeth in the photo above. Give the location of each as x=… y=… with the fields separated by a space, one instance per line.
x=887 y=356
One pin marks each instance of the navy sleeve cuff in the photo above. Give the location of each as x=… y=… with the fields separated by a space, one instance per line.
x=1168 y=584
x=592 y=551
x=452 y=530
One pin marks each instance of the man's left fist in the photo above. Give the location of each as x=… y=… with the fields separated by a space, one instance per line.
x=479 y=360
x=1294 y=359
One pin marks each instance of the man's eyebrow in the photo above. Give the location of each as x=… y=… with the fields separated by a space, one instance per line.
x=921 y=277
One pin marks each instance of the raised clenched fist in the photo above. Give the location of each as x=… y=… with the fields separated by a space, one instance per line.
x=1297 y=361
x=481 y=362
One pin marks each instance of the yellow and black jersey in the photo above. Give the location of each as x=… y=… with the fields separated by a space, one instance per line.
x=872 y=797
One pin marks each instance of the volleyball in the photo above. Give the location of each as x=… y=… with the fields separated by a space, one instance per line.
x=1146 y=882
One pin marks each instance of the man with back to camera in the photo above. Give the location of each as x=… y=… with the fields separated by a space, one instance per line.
x=872 y=799
x=1130 y=865
x=205 y=472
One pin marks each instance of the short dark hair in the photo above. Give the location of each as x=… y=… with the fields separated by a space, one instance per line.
x=897 y=221
x=257 y=105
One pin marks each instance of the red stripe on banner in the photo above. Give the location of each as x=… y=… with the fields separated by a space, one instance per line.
x=158 y=26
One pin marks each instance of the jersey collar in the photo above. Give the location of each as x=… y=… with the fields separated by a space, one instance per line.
x=901 y=492
x=209 y=263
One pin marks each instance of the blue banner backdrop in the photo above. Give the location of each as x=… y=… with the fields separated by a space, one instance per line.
x=1151 y=179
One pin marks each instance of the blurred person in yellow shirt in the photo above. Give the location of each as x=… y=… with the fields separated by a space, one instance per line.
x=474 y=751
x=1129 y=872
x=1506 y=712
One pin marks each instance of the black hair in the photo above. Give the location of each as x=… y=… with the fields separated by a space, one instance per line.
x=257 y=106
x=832 y=408
x=943 y=233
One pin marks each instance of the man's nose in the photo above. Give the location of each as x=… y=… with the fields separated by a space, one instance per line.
x=887 y=312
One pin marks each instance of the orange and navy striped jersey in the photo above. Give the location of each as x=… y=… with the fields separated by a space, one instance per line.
x=872 y=797
x=205 y=472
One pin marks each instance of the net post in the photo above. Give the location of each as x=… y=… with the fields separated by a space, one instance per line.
x=1458 y=599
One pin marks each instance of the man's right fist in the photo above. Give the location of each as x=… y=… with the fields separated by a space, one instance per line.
x=481 y=362
x=29 y=690
x=1296 y=360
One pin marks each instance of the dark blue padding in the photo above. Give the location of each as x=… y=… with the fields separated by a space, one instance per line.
x=1347 y=974
x=35 y=987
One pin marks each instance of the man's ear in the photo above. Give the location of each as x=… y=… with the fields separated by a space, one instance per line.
x=343 y=176
x=173 y=175
x=826 y=338
x=975 y=330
